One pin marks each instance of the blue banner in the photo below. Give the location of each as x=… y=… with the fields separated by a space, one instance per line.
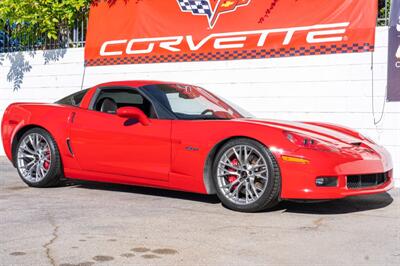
x=393 y=85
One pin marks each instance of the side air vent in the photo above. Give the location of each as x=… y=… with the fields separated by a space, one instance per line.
x=69 y=147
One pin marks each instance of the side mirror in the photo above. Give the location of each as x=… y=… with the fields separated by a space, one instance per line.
x=133 y=113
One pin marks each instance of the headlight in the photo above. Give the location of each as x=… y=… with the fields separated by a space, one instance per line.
x=306 y=142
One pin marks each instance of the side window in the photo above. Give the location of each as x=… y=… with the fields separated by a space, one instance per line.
x=74 y=99
x=109 y=100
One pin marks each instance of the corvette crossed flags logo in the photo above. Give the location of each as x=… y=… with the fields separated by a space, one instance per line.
x=211 y=8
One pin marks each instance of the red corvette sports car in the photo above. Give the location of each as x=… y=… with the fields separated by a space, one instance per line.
x=181 y=137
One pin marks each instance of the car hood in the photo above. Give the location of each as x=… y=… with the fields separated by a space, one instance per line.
x=327 y=133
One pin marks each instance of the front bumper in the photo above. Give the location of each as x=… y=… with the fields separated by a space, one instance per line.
x=299 y=180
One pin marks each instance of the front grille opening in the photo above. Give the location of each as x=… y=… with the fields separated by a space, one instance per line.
x=368 y=180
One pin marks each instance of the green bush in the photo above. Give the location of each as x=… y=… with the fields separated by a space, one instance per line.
x=42 y=17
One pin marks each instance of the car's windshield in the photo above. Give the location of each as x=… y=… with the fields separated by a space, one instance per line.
x=193 y=103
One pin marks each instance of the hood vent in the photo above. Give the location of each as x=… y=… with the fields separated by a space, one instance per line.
x=358 y=144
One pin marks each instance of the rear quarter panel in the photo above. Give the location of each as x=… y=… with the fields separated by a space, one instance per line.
x=51 y=117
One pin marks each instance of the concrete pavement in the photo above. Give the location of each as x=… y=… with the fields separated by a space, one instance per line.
x=99 y=224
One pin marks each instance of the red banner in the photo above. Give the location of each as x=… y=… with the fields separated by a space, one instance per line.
x=149 y=31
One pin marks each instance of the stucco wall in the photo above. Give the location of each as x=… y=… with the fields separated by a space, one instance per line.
x=334 y=88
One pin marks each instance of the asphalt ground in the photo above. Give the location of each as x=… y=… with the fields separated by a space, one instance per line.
x=103 y=224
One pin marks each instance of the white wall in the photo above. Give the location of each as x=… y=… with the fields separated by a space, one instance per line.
x=331 y=88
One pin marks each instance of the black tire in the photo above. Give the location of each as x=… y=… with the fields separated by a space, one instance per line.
x=54 y=174
x=271 y=195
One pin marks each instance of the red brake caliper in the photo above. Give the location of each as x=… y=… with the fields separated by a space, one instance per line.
x=46 y=165
x=233 y=178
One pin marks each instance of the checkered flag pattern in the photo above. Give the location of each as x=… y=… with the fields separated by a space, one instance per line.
x=197 y=7
x=235 y=55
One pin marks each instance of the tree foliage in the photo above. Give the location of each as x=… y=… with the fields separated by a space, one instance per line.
x=49 y=17
x=383 y=11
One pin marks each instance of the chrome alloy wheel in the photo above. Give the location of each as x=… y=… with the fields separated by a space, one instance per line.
x=34 y=157
x=242 y=174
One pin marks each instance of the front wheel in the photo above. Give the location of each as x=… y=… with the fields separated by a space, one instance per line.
x=246 y=176
x=38 y=159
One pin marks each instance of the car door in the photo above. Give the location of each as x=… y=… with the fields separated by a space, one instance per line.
x=103 y=142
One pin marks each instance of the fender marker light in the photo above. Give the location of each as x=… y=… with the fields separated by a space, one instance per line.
x=292 y=159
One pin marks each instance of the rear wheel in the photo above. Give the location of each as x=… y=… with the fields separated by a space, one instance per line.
x=246 y=176
x=38 y=159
